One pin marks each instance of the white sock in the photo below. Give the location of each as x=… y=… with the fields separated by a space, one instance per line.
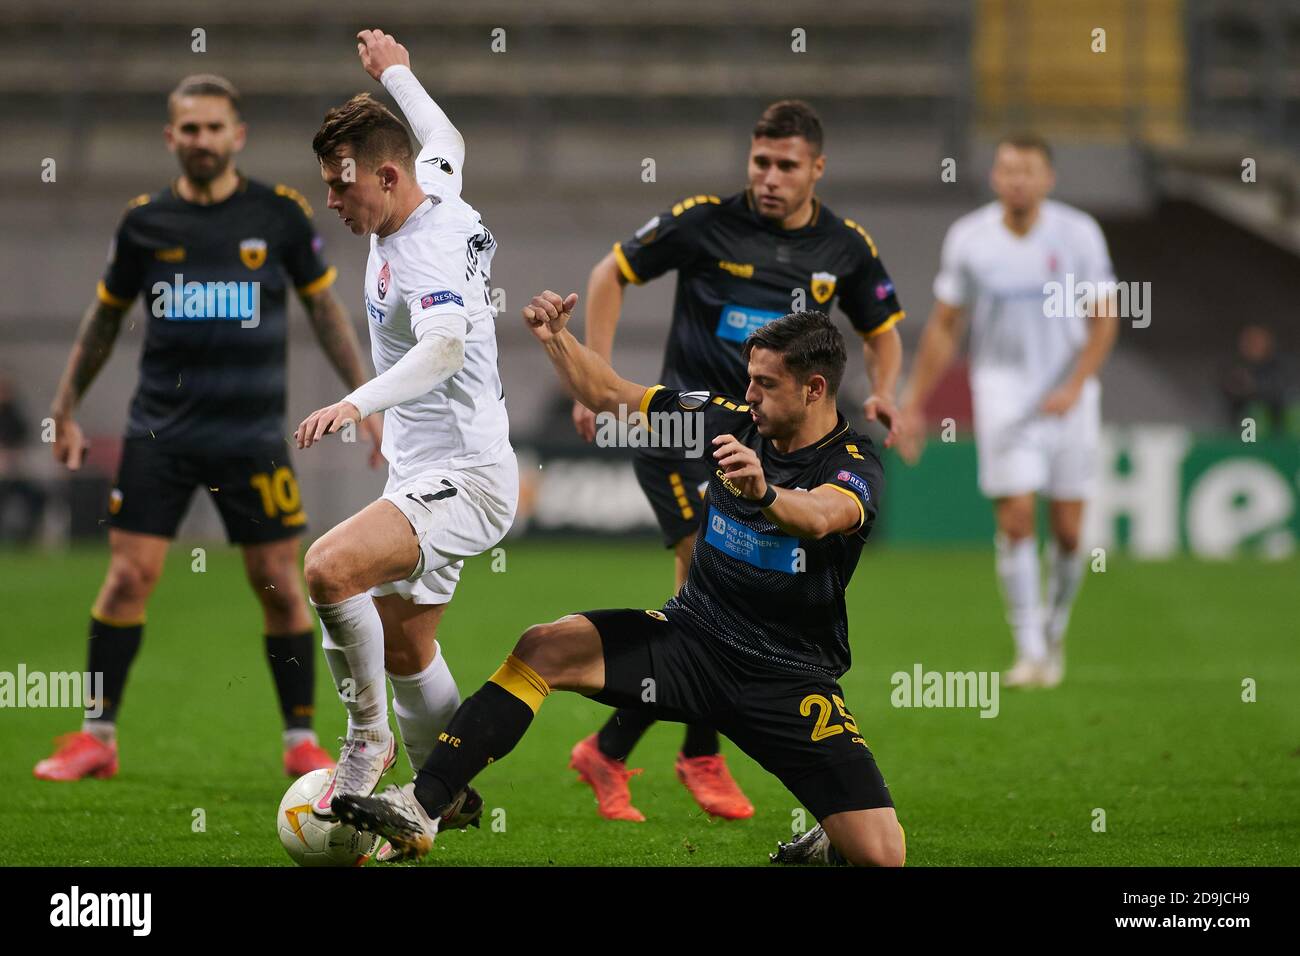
x=294 y=736
x=1064 y=576
x=424 y=703
x=1017 y=563
x=353 y=639
x=105 y=731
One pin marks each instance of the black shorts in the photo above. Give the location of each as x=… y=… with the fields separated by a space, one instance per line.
x=257 y=495
x=795 y=725
x=675 y=489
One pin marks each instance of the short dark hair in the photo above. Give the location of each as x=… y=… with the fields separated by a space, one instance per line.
x=786 y=118
x=370 y=128
x=204 y=84
x=1028 y=140
x=809 y=343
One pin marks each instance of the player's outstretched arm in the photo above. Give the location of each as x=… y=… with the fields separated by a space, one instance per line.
x=94 y=344
x=604 y=305
x=379 y=52
x=585 y=375
x=802 y=514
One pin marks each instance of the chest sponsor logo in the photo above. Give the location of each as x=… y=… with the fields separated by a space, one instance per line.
x=385 y=278
x=741 y=270
x=823 y=286
x=203 y=301
x=252 y=253
x=738 y=321
x=856 y=483
x=375 y=311
x=430 y=299
x=771 y=552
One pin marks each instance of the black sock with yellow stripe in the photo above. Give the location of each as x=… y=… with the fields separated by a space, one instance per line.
x=485 y=728
x=113 y=645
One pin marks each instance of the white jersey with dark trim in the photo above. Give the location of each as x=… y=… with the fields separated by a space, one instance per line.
x=433 y=276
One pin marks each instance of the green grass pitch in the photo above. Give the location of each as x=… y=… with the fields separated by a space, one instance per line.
x=1150 y=725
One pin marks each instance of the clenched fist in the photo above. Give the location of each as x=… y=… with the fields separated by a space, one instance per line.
x=378 y=51
x=548 y=314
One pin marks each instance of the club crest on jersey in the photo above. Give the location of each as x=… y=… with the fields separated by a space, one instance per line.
x=385 y=275
x=823 y=287
x=252 y=253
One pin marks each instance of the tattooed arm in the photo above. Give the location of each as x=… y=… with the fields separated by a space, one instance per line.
x=91 y=350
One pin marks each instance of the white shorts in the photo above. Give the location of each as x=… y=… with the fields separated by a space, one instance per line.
x=455 y=514
x=1054 y=456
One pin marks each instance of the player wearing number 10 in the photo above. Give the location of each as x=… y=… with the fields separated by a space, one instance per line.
x=209 y=407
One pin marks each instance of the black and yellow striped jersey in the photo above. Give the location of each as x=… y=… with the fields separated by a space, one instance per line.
x=737 y=271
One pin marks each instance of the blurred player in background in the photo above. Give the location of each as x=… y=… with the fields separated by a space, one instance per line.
x=756 y=639
x=209 y=408
x=741 y=262
x=1036 y=398
x=381 y=580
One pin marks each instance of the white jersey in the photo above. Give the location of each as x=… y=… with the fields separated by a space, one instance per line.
x=1022 y=347
x=433 y=274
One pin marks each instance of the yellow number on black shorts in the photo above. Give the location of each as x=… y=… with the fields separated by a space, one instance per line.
x=279 y=491
x=821 y=729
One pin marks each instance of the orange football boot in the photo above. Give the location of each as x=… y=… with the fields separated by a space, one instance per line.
x=713 y=787
x=77 y=755
x=608 y=778
x=306 y=756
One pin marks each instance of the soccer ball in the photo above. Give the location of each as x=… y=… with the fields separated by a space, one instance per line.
x=312 y=841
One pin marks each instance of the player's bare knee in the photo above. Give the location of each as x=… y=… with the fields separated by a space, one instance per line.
x=535 y=649
x=129 y=582
x=324 y=567
x=279 y=595
x=1067 y=540
x=1016 y=525
x=874 y=851
x=550 y=651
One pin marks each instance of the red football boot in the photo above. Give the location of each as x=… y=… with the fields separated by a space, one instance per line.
x=608 y=778
x=78 y=755
x=712 y=786
x=306 y=756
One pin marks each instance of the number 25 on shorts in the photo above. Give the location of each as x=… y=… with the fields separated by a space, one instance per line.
x=822 y=727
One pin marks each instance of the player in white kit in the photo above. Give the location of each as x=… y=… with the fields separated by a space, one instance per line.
x=381 y=579
x=1037 y=402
